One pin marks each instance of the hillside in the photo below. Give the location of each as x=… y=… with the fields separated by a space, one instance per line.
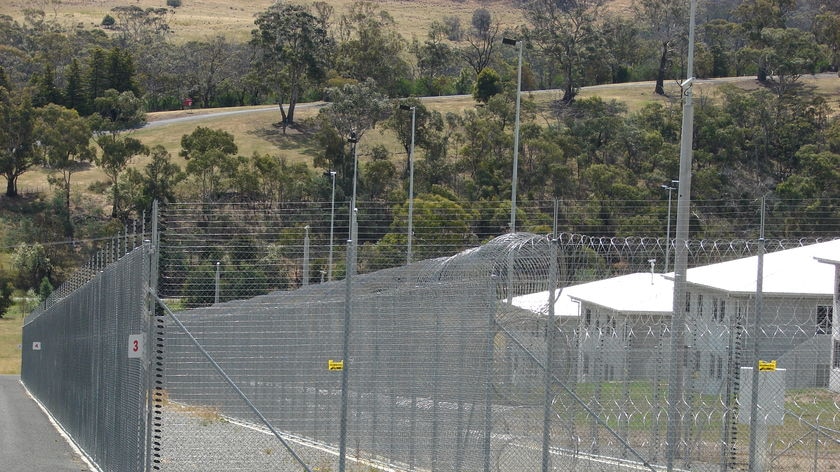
x=199 y=19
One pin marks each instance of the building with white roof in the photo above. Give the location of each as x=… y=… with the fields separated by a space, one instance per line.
x=795 y=323
x=622 y=324
x=834 y=376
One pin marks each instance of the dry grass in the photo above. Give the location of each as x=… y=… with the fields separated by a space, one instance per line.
x=197 y=19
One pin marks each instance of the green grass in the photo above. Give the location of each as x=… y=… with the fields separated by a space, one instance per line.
x=10 y=336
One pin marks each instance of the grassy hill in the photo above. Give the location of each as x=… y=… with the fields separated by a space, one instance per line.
x=197 y=19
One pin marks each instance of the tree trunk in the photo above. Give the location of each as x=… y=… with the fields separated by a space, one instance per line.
x=568 y=93
x=114 y=213
x=761 y=76
x=68 y=229
x=11 y=187
x=663 y=67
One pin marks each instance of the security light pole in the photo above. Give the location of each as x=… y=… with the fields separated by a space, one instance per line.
x=332 y=225
x=514 y=178
x=353 y=139
x=669 y=188
x=410 y=182
x=678 y=344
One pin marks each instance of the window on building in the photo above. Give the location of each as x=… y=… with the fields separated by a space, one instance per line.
x=587 y=317
x=824 y=315
x=722 y=311
x=712 y=364
x=714 y=309
x=687 y=302
x=699 y=305
x=585 y=367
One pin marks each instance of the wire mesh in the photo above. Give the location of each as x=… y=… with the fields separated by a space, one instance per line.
x=467 y=359
x=76 y=361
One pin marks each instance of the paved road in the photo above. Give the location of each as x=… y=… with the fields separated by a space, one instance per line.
x=28 y=441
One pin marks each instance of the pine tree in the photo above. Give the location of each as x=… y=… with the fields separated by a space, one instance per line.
x=74 y=96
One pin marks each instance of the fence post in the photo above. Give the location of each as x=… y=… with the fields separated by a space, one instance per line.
x=550 y=340
x=155 y=344
x=345 y=353
x=759 y=307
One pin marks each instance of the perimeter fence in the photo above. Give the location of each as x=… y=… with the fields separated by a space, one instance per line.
x=517 y=352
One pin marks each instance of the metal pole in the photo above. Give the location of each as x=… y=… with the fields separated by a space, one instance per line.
x=345 y=357
x=353 y=139
x=675 y=376
x=757 y=430
x=305 y=280
x=549 y=357
x=669 y=188
x=332 y=226
x=411 y=186
x=348 y=311
x=218 y=277
x=514 y=178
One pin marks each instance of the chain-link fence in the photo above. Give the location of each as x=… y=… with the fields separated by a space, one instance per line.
x=83 y=360
x=267 y=356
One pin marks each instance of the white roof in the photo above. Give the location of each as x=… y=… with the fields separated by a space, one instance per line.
x=806 y=270
x=792 y=271
x=633 y=293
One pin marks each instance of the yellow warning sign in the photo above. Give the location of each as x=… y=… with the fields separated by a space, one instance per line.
x=766 y=366
x=335 y=365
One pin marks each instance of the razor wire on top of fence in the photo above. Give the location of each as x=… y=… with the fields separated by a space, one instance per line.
x=460 y=362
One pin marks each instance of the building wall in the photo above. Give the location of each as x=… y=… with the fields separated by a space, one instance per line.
x=614 y=346
x=790 y=332
x=834 y=381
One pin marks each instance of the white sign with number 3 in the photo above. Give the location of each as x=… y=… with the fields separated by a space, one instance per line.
x=135 y=346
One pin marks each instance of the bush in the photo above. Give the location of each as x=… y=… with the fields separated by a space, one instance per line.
x=173 y=3
x=108 y=21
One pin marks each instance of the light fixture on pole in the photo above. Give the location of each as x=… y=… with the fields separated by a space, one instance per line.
x=669 y=188
x=514 y=176
x=676 y=374
x=410 y=182
x=331 y=174
x=518 y=43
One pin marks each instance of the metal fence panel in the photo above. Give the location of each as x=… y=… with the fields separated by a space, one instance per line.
x=465 y=360
x=76 y=362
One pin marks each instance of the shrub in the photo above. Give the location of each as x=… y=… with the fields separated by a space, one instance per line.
x=173 y=3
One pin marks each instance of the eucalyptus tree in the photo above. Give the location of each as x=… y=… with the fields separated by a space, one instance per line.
x=63 y=139
x=436 y=61
x=567 y=32
x=211 y=158
x=16 y=136
x=137 y=27
x=295 y=48
x=355 y=109
x=482 y=39
x=667 y=24
x=115 y=113
x=827 y=32
x=428 y=125
x=156 y=181
x=211 y=62
x=369 y=46
x=755 y=16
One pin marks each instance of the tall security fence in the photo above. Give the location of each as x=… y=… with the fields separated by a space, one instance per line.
x=276 y=344
x=82 y=358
